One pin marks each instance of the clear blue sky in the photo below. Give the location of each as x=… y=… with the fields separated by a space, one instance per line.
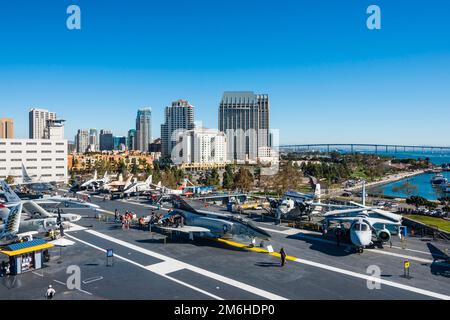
x=329 y=78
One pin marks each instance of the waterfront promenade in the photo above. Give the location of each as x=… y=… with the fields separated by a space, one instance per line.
x=385 y=180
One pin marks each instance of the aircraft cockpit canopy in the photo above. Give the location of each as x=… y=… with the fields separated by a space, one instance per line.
x=360 y=226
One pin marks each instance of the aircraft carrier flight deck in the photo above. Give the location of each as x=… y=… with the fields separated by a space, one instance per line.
x=152 y=265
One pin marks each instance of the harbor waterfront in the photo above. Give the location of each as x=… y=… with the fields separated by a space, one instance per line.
x=417 y=185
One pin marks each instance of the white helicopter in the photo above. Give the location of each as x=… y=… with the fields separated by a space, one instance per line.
x=368 y=225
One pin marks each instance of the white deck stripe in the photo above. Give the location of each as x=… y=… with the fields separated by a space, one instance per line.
x=292 y=231
x=404 y=256
x=374 y=279
x=64 y=284
x=234 y=283
x=144 y=267
x=165 y=267
x=301 y=234
x=105 y=211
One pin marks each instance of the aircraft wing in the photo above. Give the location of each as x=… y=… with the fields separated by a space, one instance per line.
x=319 y=204
x=345 y=211
x=12 y=222
x=10 y=195
x=343 y=219
x=388 y=214
x=373 y=221
x=27 y=234
x=32 y=207
x=366 y=219
x=49 y=203
x=358 y=204
x=187 y=229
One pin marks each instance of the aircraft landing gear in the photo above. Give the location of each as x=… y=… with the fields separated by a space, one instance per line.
x=360 y=250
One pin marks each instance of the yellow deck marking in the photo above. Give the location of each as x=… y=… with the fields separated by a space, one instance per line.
x=255 y=249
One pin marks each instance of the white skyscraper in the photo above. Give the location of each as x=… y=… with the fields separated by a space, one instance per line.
x=94 y=143
x=82 y=140
x=201 y=146
x=179 y=116
x=143 y=129
x=38 y=122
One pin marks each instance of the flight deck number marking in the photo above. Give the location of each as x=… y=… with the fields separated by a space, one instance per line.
x=375 y=272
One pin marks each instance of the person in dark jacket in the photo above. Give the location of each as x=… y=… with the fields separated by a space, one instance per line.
x=283 y=257
x=339 y=234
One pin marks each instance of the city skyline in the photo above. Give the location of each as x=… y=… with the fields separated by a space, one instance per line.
x=329 y=78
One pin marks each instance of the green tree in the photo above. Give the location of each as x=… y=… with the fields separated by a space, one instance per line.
x=134 y=167
x=288 y=177
x=243 y=180
x=9 y=180
x=228 y=177
x=122 y=167
x=210 y=178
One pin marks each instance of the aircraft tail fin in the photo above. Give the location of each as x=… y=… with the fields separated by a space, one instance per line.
x=25 y=177
x=317 y=191
x=128 y=182
x=149 y=180
x=437 y=253
x=10 y=195
x=183 y=185
x=12 y=222
x=120 y=178
x=159 y=184
x=95 y=175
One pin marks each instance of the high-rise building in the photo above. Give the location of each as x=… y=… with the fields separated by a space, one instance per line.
x=131 y=139
x=179 y=116
x=94 y=143
x=38 y=121
x=54 y=130
x=143 y=129
x=71 y=146
x=6 y=128
x=82 y=140
x=244 y=117
x=201 y=146
x=119 y=142
x=106 y=140
x=155 y=146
